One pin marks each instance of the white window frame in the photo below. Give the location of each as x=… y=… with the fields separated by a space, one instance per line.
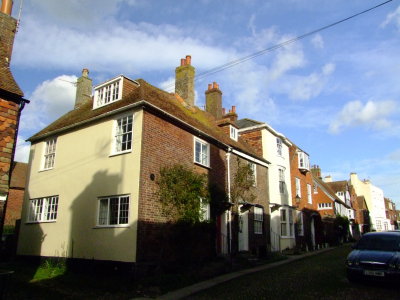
x=205 y=211
x=282 y=183
x=298 y=187
x=253 y=168
x=304 y=161
x=49 y=154
x=108 y=92
x=258 y=220
x=279 y=146
x=322 y=206
x=103 y=216
x=233 y=133
x=309 y=197
x=42 y=210
x=315 y=188
x=300 y=223
x=120 y=133
x=286 y=221
x=204 y=156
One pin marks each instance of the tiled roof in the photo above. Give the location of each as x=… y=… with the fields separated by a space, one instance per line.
x=244 y=123
x=18 y=175
x=7 y=81
x=327 y=188
x=337 y=186
x=361 y=202
x=158 y=98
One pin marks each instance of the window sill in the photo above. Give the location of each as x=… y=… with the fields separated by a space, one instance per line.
x=287 y=237
x=201 y=165
x=120 y=153
x=111 y=226
x=40 y=222
x=44 y=170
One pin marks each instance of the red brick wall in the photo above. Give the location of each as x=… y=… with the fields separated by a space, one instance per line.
x=8 y=123
x=305 y=178
x=164 y=143
x=14 y=206
x=254 y=139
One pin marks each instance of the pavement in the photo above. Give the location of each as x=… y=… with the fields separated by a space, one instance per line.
x=203 y=285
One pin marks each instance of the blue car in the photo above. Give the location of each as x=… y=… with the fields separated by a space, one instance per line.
x=376 y=256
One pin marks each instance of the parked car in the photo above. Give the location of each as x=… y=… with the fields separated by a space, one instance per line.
x=376 y=256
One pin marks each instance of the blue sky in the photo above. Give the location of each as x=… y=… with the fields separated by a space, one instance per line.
x=336 y=93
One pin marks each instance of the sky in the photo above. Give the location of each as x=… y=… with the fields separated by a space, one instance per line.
x=335 y=93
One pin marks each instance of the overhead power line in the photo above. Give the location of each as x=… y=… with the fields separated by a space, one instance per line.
x=277 y=46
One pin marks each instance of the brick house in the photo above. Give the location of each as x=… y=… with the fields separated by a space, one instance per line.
x=309 y=229
x=362 y=214
x=11 y=104
x=92 y=191
x=390 y=207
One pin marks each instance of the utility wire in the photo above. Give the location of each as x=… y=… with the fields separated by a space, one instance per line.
x=275 y=47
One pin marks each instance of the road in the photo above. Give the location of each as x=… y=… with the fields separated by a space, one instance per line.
x=316 y=277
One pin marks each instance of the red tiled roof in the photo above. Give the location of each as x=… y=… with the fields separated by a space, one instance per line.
x=7 y=81
x=158 y=98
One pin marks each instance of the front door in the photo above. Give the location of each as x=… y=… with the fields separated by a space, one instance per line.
x=243 y=230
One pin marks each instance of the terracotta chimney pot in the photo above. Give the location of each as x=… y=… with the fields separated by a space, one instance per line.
x=6 y=7
x=209 y=86
x=223 y=111
x=188 y=60
x=233 y=108
x=183 y=61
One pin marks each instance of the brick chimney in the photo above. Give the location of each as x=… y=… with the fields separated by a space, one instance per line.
x=214 y=100
x=184 y=80
x=231 y=115
x=8 y=26
x=316 y=171
x=83 y=88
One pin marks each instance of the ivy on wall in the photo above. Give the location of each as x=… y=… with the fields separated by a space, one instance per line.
x=182 y=193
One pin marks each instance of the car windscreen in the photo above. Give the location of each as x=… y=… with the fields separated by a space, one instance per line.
x=379 y=243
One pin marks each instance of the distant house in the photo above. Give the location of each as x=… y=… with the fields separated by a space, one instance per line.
x=274 y=147
x=375 y=201
x=11 y=104
x=92 y=190
x=362 y=215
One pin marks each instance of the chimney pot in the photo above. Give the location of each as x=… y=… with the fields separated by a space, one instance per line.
x=233 y=108
x=214 y=85
x=223 y=111
x=209 y=86
x=6 y=7
x=188 y=60
x=85 y=72
x=183 y=61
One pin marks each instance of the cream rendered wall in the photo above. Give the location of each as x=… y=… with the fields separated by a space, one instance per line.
x=374 y=198
x=269 y=147
x=84 y=171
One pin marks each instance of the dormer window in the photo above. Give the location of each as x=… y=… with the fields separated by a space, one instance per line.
x=234 y=133
x=108 y=92
x=304 y=161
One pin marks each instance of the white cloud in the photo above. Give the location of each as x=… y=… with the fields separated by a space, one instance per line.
x=112 y=48
x=393 y=17
x=51 y=99
x=306 y=87
x=317 y=41
x=168 y=85
x=22 y=150
x=371 y=114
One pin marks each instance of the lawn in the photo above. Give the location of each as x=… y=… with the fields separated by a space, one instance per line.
x=316 y=277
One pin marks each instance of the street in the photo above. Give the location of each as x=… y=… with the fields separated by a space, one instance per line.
x=317 y=277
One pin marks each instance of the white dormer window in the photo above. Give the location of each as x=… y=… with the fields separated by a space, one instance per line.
x=234 y=133
x=304 y=161
x=108 y=92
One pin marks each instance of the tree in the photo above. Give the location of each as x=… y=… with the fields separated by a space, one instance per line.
x=242 y=184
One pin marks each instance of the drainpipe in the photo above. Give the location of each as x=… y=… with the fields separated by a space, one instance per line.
x=228 y=156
